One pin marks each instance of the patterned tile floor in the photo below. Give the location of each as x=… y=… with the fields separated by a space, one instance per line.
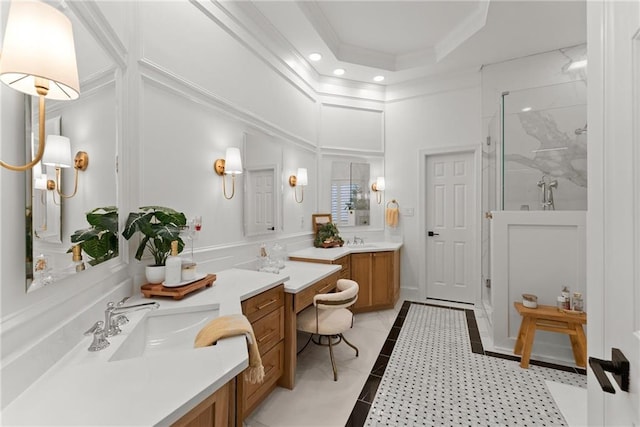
x=430 y=372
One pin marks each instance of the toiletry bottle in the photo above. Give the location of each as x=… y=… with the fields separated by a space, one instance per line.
x=77 y=258
x=578 y=302
x=567 y=298
x=173 y=266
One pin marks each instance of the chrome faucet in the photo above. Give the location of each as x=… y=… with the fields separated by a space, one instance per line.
x=356 y=239
x=546 y=191
x=112 y=324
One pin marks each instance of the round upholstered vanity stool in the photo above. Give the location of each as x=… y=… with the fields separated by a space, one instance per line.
x=329 y=317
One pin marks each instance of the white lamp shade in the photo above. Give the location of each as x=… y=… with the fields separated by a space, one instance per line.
x=38 y=42
x=57 y=152
x=301 y=178
x=232 y=161
x=380 y=183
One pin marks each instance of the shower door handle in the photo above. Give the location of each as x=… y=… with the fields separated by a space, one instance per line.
x=431 y=234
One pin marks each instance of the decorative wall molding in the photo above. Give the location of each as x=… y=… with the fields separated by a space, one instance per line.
x=231 y=25
x=271 y=47
x=96 y=23
x=163 y=78
x=433 y=85
x=90 y=87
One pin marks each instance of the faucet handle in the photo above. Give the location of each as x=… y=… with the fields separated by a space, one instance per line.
x=98 y=326
x=99 y=341
x=122 y=301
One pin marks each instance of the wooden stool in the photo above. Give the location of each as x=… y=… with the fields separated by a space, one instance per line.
x=549 y=318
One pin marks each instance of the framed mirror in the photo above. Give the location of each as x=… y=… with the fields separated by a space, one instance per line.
x=91 y=125
x=262 y=212
x=350 y=193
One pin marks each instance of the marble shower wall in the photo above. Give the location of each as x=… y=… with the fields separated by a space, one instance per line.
x=543 y=135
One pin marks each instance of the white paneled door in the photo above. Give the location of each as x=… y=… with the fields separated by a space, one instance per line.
x=450 y=195
x=613 y=217
x=260 y=204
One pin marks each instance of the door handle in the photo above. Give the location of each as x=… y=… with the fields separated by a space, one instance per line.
x=618 y=366
x=431 y=234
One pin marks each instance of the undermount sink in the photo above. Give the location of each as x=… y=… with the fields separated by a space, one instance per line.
x=165 y=330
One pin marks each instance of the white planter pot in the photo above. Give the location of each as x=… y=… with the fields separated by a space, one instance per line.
x=154 y=273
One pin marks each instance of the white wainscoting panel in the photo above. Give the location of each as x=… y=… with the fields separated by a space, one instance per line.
x=536 y=253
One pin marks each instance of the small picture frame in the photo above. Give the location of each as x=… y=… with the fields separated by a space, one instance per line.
x=318 y=220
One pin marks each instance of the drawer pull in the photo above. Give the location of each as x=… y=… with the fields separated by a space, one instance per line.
x=269 y=369
x=324 y=290
x=260 y=307
x=265 y=337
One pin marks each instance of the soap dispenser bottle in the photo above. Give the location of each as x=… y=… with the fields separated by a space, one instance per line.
x=173 y=266
x=77 y=258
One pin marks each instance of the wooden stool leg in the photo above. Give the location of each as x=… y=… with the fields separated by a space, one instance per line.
x=528 y=343
x=522 y=335
x=581 y=355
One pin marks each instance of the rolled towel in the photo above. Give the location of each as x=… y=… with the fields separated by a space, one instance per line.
x=391 y=217
x=230 y=326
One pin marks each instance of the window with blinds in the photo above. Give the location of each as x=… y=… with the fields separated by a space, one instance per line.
x=340 y=201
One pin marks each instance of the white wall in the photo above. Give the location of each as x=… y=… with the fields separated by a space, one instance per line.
x=445 y=113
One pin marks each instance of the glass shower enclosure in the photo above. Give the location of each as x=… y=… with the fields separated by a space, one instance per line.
x=544 y=148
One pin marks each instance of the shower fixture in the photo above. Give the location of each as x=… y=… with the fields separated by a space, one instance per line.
x=546 y=193
x=581 y=130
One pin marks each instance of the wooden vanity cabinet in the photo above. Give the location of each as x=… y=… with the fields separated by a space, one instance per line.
x=378 y=275
x=211 y=412
x=265 y=311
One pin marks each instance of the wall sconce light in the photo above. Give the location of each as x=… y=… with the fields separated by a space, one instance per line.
x=378 y=187
x=230 y=165
x=58 y=154
x=39 y=58
x=299 y=180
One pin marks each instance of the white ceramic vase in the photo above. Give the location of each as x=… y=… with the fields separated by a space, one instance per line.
x=154 y=273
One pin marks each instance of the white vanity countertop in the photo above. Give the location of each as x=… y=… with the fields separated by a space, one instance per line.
x=332 y=254
x=85 y=388
x=304 y=274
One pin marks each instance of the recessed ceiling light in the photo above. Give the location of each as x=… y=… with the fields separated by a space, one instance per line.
x=315 y=57
x=338 y=71
x=577 y=64
x=525 y=109
x=378 y=78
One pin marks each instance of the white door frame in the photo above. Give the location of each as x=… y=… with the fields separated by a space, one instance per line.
x=476 y=274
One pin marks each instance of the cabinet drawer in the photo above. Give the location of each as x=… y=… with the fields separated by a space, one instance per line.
x=273 y=362
x=269 y=330
x=305 y=298
x=262 y=304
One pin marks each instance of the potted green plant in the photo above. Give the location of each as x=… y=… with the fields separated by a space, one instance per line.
x=328 y=236
x=100 y=240
x=158 y=226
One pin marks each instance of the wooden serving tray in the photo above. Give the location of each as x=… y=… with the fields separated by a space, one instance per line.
x=156 y=289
